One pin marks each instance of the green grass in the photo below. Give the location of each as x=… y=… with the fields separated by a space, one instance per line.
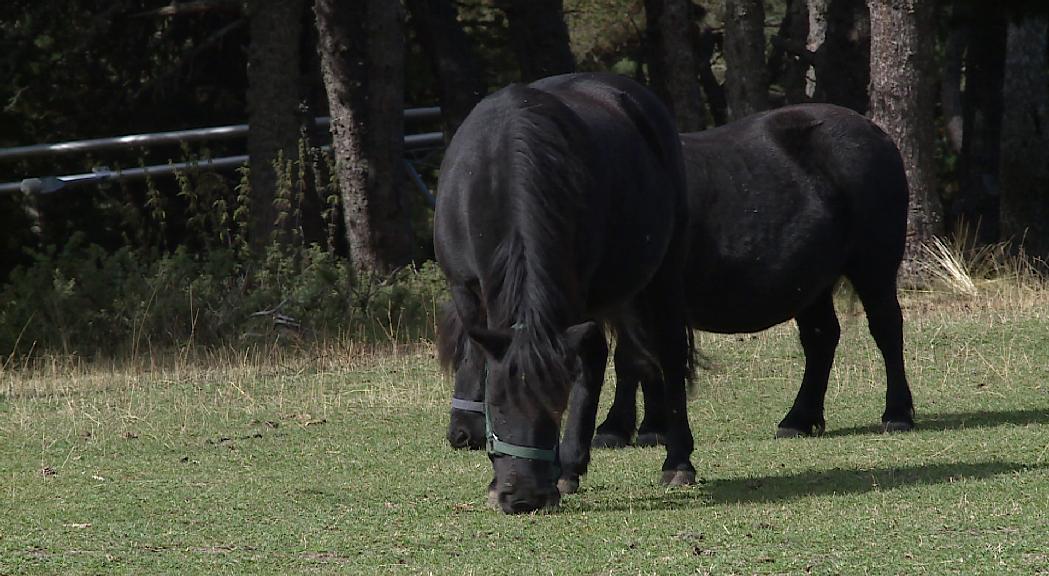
x=333 y=461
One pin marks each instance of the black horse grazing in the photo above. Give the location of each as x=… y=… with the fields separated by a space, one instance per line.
x=782 y=205
x=561 y=204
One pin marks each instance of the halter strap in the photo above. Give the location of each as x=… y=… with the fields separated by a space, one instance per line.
x=497 y=446
x=467 y=405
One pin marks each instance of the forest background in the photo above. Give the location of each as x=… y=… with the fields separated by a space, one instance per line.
x=315 y=241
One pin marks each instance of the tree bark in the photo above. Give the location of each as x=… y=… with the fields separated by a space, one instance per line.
x=901 y=102
x=1025 y=136
x=951 y=83
x=273 y=98
x=746 y=83
x=977 y=200
x=788 y=64
x=362 y=58
x=704 y=43
x=843 y=59
x=817 y=10
x=539 y=37
x=672 y=68
x=454 y=63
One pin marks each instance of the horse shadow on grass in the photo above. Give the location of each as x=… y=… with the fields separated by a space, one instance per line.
x=958 y=421
x=837 y=481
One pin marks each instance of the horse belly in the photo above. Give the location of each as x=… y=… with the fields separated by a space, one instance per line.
x=747 y=282
x=728 y=306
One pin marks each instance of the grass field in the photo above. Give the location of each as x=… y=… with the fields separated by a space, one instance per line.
x=333 y=461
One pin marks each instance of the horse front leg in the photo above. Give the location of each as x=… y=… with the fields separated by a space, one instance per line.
x=673 y=349
x=618 y=427
x=582 y=412
x=819 y=332
x=652 y=431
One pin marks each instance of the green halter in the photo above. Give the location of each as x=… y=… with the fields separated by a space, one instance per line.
x=497 y=446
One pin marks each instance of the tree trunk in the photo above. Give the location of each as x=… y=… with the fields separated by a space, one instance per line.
x=788 y=61
x=746 y=84
x=1025 y=136
x=273 y=97
x=951 y=84
x=362 y=58
x=977 y=200
x=843 y=60
x=817 y=34
x=704 y=43
x=672 y=68
x=454 y=63
x=901 y=102
x=539 y=37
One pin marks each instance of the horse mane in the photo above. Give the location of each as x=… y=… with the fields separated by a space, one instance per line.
x=530 y=282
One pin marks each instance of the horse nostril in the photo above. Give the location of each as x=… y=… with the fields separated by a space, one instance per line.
x=458 y=438
x=461 y=439
x=522 y=506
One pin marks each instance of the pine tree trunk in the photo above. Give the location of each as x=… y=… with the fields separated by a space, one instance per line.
x=274 y=82
x=817 y=10
x=704 y=43
x=951 y=83
x=362 y=58
x=454 y=63
x=539 y=37
x=1025 y=136
x=788 y=63
x=901 y=102
x=672 y=68
x=746 y=84
x=842 y=61
x=977 y=202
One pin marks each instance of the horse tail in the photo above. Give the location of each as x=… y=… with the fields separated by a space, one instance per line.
x=451 y=338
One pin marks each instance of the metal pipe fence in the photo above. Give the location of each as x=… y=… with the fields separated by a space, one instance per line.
x=47 y=184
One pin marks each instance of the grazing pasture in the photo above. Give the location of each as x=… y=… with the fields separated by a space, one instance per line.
x=333 y=460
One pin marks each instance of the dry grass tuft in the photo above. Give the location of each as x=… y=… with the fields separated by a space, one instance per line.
x=948 y=267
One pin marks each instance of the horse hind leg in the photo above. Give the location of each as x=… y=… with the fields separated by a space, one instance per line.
x=885 y=320
x=634 y=365
x=819 y=332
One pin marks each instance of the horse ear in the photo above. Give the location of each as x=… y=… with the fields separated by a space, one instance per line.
x=577 y=334
x=493 y=342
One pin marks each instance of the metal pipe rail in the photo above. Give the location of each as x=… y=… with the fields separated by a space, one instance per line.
x=174 y=137
x=50 y=184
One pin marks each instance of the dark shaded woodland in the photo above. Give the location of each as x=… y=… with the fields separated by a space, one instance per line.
x=324 y=219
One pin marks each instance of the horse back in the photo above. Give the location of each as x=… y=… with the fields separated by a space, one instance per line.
x=584 y=165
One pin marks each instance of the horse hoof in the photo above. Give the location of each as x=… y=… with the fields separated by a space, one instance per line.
x=788 y=432
x=896 y=426
x=568 y=485
x=679 y=477
x=649 y=439
x=782 y=432
x=605 y=440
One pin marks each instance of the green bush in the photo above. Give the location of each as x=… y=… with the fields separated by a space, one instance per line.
x=83 y=299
